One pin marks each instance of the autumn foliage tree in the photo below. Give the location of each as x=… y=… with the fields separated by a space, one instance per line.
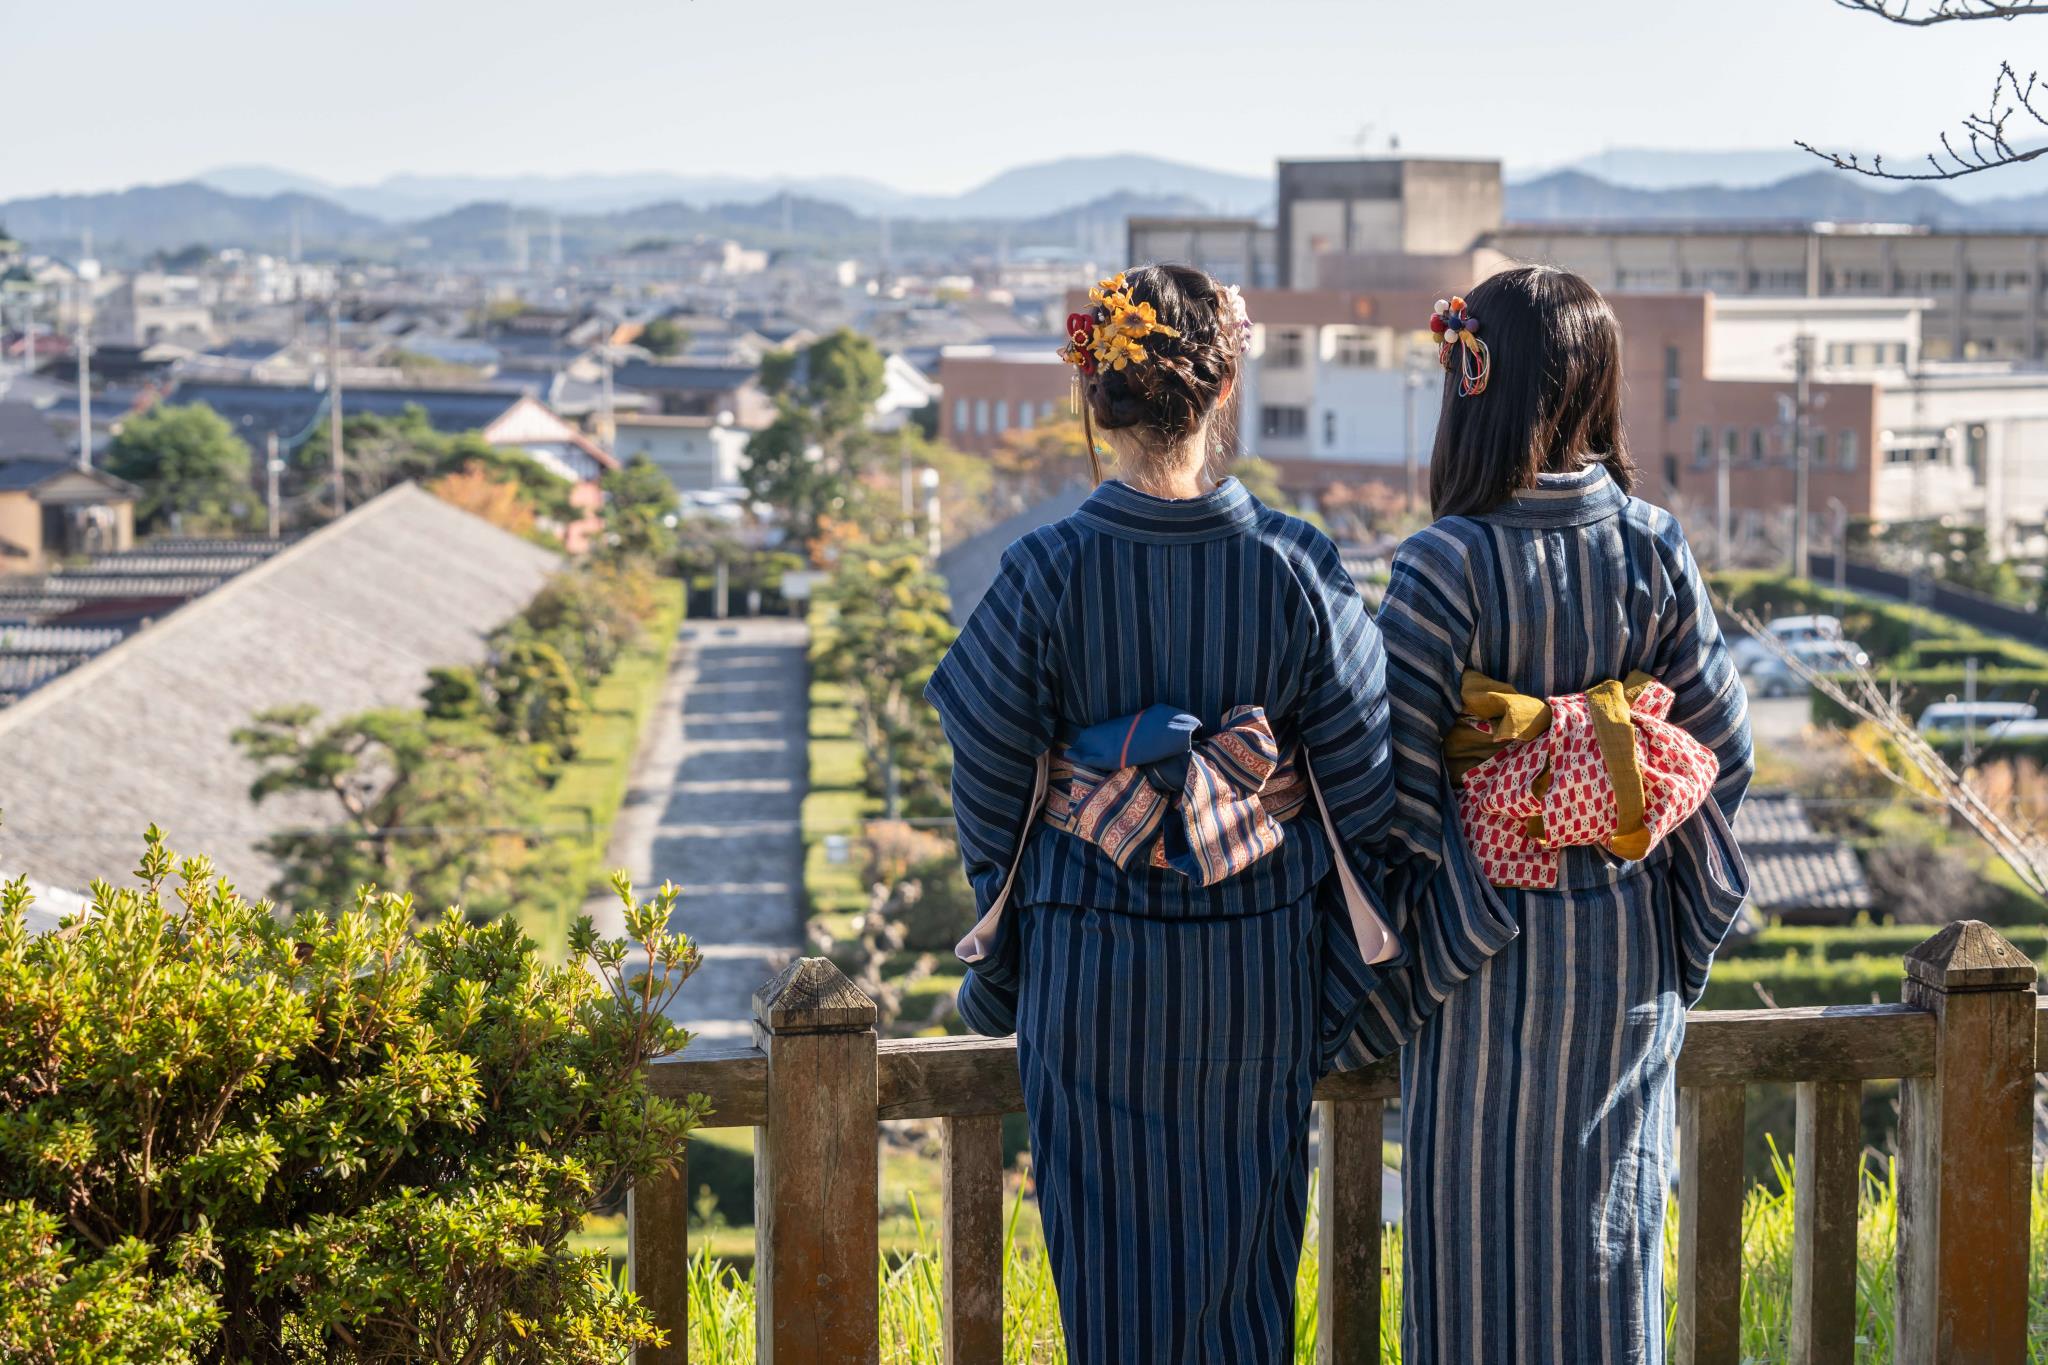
x=496 y=498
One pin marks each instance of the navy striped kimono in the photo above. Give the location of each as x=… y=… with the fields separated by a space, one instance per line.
x=1169 y=1033
x=1537 y=1091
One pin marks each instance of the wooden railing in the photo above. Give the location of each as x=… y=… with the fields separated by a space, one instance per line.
x=1964 y=1042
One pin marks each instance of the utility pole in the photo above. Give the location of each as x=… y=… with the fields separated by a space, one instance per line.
x=1802 y=401
x=84 y=373
x=334 y=453
x=933 y=540
x=271 y=467
x=606 y=421
x=1411 y=451
x=1841 y=511
x=1723 y=558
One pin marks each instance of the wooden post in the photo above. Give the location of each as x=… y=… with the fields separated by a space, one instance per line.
x=1348 y=1218
x=973 y=1239
x=658 y=1259
x=1709 y=1328
x=1827 y=1166
x=1965 y=1136
x=816 y=1181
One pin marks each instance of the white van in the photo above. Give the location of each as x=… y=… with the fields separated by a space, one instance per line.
x=1987 y=718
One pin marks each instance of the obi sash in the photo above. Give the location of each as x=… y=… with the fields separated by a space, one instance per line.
x=1602 y=768
x=1151 y=789
x=1242 y=787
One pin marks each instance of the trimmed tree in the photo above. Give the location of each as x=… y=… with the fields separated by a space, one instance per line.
x=193 y=470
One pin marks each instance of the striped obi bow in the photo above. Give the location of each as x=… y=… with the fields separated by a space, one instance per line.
x=1154 y=788
x=1601 y=768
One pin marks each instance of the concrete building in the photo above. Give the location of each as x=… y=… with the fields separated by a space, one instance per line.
x=1381 y=207
x=149 y=306
x=1239 y=251
x=1984 y=291
x=698 y=454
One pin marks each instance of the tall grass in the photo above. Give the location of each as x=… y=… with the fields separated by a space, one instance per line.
x=722 y=1300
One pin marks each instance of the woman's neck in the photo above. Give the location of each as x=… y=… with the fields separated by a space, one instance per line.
x=1180 y=478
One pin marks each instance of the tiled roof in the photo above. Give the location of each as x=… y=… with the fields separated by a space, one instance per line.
x=348 y=618
x=58 y=639
x=25 y=433
x=648 y=374
x=1772 y=817
x=1809 y=874
x=1792 y=866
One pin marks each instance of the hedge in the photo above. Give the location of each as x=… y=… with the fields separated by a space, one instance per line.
x=1799 y=980
x=1919 y=688
x=1885 y=629
x=1989 y=653
x=1891 y=941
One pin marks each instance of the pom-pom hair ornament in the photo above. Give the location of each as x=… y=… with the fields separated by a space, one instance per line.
x=1457 y=332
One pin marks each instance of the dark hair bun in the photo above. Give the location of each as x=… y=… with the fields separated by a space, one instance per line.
x=1167 y=395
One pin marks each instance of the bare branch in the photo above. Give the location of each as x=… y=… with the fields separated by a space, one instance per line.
x=1917 y=15
x=1989 y=145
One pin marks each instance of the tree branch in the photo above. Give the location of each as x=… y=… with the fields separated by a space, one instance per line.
x=1911 y=14
x=1988 y=139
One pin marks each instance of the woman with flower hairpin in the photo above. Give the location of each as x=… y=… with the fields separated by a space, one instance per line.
x=1171 y=777
x=1570 y=743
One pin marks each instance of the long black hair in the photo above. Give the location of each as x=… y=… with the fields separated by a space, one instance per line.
x=1551 y=404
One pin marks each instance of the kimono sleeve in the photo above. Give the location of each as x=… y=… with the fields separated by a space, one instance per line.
x=1427 y=623
x=1709 y=878
x=994 y=697
x=1693 y=661
x=1342 y=710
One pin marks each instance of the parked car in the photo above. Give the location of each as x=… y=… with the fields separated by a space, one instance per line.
x=1771 y=676
x=1790 y=630
x=1987 y=718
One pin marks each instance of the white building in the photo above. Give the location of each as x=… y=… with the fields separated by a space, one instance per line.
x=699 y=454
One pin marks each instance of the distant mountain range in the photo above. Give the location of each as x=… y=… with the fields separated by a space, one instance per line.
x=1074 y=205
x=1022 y=192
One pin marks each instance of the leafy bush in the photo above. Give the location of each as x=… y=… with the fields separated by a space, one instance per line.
x=1751 y=983
x=1885 y=629
x=331 y=1138
x=1990 y=652
x=1921 y=687
x=943 y=907
x=1894 y=941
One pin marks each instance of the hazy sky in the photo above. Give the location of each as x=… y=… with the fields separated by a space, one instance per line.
x=936 y=95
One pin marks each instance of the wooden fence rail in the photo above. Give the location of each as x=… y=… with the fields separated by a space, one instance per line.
x=1965 y=1043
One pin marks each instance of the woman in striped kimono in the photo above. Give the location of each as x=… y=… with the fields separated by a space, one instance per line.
x=1537 y=1089
x=1174 y=667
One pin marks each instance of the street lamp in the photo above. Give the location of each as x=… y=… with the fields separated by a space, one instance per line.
x=931 y=513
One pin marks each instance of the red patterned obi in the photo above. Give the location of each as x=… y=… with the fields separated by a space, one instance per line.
x=1226 y=814
x=1601 y=768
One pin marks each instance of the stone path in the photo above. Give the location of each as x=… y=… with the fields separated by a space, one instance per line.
x=714 y=807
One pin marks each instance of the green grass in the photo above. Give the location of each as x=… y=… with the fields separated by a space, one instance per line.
x=837 y=803
x=722 y=1296
x=587 y=795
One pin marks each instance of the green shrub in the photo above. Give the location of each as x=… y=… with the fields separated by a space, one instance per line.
x=1885 y=629
x=1888 y=941
x=1793 y=979
x=334 y=1137
x=1990 y=652
x=1919 y=688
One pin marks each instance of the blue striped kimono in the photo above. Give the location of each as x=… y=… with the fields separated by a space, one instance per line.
x=1537 y=1090
x=1169 y=1033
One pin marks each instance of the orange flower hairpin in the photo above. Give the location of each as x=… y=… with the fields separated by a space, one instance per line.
x=1111 y=333
x=1458 y=331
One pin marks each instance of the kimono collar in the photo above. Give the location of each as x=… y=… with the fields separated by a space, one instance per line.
x=1577 y=499
x=1121 y=510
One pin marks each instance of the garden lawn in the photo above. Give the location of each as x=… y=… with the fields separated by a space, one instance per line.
x=586 y=797
x=837 y=803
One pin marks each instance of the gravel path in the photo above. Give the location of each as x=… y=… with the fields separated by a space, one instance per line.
x=714 y=807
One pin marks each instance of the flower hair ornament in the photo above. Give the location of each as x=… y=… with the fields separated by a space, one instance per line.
x=1457 y=332
x=1237 y=323
x=1110 y=335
